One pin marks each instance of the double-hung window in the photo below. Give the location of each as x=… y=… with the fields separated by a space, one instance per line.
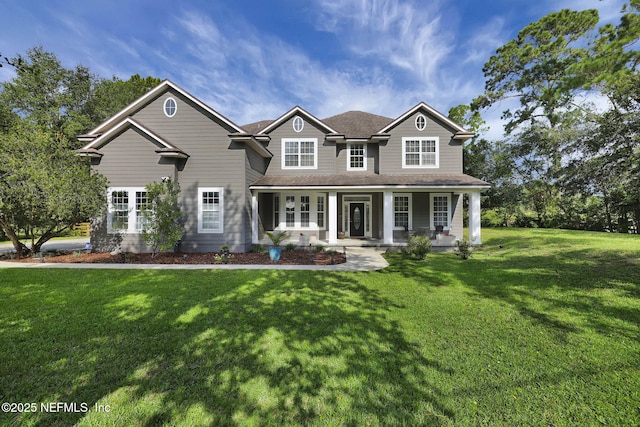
x=420 y=152
x=440 y=210
x=357 y=157
x=210 y=210
x=320 y=211
x=299 y=153
x=125 y=210
x=402 y=211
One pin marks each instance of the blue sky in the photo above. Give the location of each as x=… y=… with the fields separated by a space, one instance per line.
x=253 y=60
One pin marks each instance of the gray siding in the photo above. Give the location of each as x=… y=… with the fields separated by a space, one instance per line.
x=326 y=150
x=129 y=160
x=343 y=155
x=213 y=162
x=450 y=149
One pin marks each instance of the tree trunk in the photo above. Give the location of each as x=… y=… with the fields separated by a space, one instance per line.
x=21 y=248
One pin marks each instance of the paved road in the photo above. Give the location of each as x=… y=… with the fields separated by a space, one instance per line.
x=70 y=244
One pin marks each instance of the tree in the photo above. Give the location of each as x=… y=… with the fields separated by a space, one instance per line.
x=110 y=96
x=162 y=215
x=45 y=188
x=46 y=94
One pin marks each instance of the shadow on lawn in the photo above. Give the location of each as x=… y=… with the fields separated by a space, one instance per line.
x=267 y=347
x=544 y=287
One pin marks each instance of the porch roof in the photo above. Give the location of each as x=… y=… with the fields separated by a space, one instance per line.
x=370 y=181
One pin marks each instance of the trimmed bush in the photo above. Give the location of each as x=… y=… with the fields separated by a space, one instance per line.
x=419 y=247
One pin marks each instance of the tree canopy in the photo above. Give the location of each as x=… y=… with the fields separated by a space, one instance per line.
x=567 y=152
x=45 y=188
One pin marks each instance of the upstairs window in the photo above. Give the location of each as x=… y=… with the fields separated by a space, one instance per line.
x=170 y=107
x=299 y=153
x=421 y=122
x=356 y=157
x=420 y=152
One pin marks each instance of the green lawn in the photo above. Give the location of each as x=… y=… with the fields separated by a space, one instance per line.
x=544 y=330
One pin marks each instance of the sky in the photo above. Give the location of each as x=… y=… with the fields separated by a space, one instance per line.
x=254 y=60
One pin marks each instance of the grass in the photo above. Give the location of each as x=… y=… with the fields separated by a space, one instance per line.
x=540 y=327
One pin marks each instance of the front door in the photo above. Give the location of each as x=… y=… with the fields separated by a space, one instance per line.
x=356 y=220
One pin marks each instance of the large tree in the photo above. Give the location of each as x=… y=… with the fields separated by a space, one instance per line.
x=45 y=188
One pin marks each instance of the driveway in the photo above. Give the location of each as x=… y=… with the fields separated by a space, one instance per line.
x=70 y=244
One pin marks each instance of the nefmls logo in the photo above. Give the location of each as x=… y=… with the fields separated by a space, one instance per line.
x=82 y=407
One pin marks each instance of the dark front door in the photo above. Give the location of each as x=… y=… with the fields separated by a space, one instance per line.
x=356 y=220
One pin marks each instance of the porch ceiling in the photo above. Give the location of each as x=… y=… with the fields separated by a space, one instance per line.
x=372 y=181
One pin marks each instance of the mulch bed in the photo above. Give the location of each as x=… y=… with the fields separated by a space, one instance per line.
x=297 y=257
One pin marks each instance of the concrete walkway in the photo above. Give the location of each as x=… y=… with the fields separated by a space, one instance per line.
x=358 y=259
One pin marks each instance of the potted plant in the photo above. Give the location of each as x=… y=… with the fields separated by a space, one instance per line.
x=277 y=237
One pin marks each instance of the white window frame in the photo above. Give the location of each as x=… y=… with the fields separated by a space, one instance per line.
x=296 y=211
x=421 y=122
x=432 y=196
x=132 y=219
x=220 y=191
x=299 y=154
x=421 y=139
x=350 y=156
x=321 y=212
x=409 y=212
x=175 y=107
x=297 y=124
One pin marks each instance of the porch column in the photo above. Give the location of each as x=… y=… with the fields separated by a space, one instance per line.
x=387 y=218
x=333 y=218
x=254 y=219
x=474 y=218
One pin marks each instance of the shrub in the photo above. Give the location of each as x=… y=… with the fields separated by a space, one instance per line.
x=463 y=248
x=290 y=247
x=259 y=249
x=418 y=247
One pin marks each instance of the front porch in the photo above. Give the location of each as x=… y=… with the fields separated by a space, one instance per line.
x=383 y=218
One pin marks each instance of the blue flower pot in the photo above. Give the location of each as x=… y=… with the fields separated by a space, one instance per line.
x=275 y=253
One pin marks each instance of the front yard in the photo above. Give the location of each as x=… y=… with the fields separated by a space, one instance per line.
x=540 y=327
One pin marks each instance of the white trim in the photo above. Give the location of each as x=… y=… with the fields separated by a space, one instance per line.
x=144 y=99
x=429 y=110
x=364 y=156
x=368 y=188
x=299 y=140
x=475 y=232
x=366 y=215
x=297 y=124
x=175 y=107
x=124 y=123
x=424 y=124
x=387 y=217
x=220 y=192
x=296 y=111
x=131 y=210
x=332 y=208
x=421 y=139
x=431 y=212
x=409 y=207
x=281 y=222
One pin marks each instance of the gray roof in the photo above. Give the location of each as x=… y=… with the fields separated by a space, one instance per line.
x=352 y=124
x=371 y=180
x=357 y=124
x=256 y=128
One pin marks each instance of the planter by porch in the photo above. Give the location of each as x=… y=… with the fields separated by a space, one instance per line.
x=274 y=253
x=340 y=234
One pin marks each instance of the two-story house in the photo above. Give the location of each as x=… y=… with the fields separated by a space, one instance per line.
x=351 y=176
